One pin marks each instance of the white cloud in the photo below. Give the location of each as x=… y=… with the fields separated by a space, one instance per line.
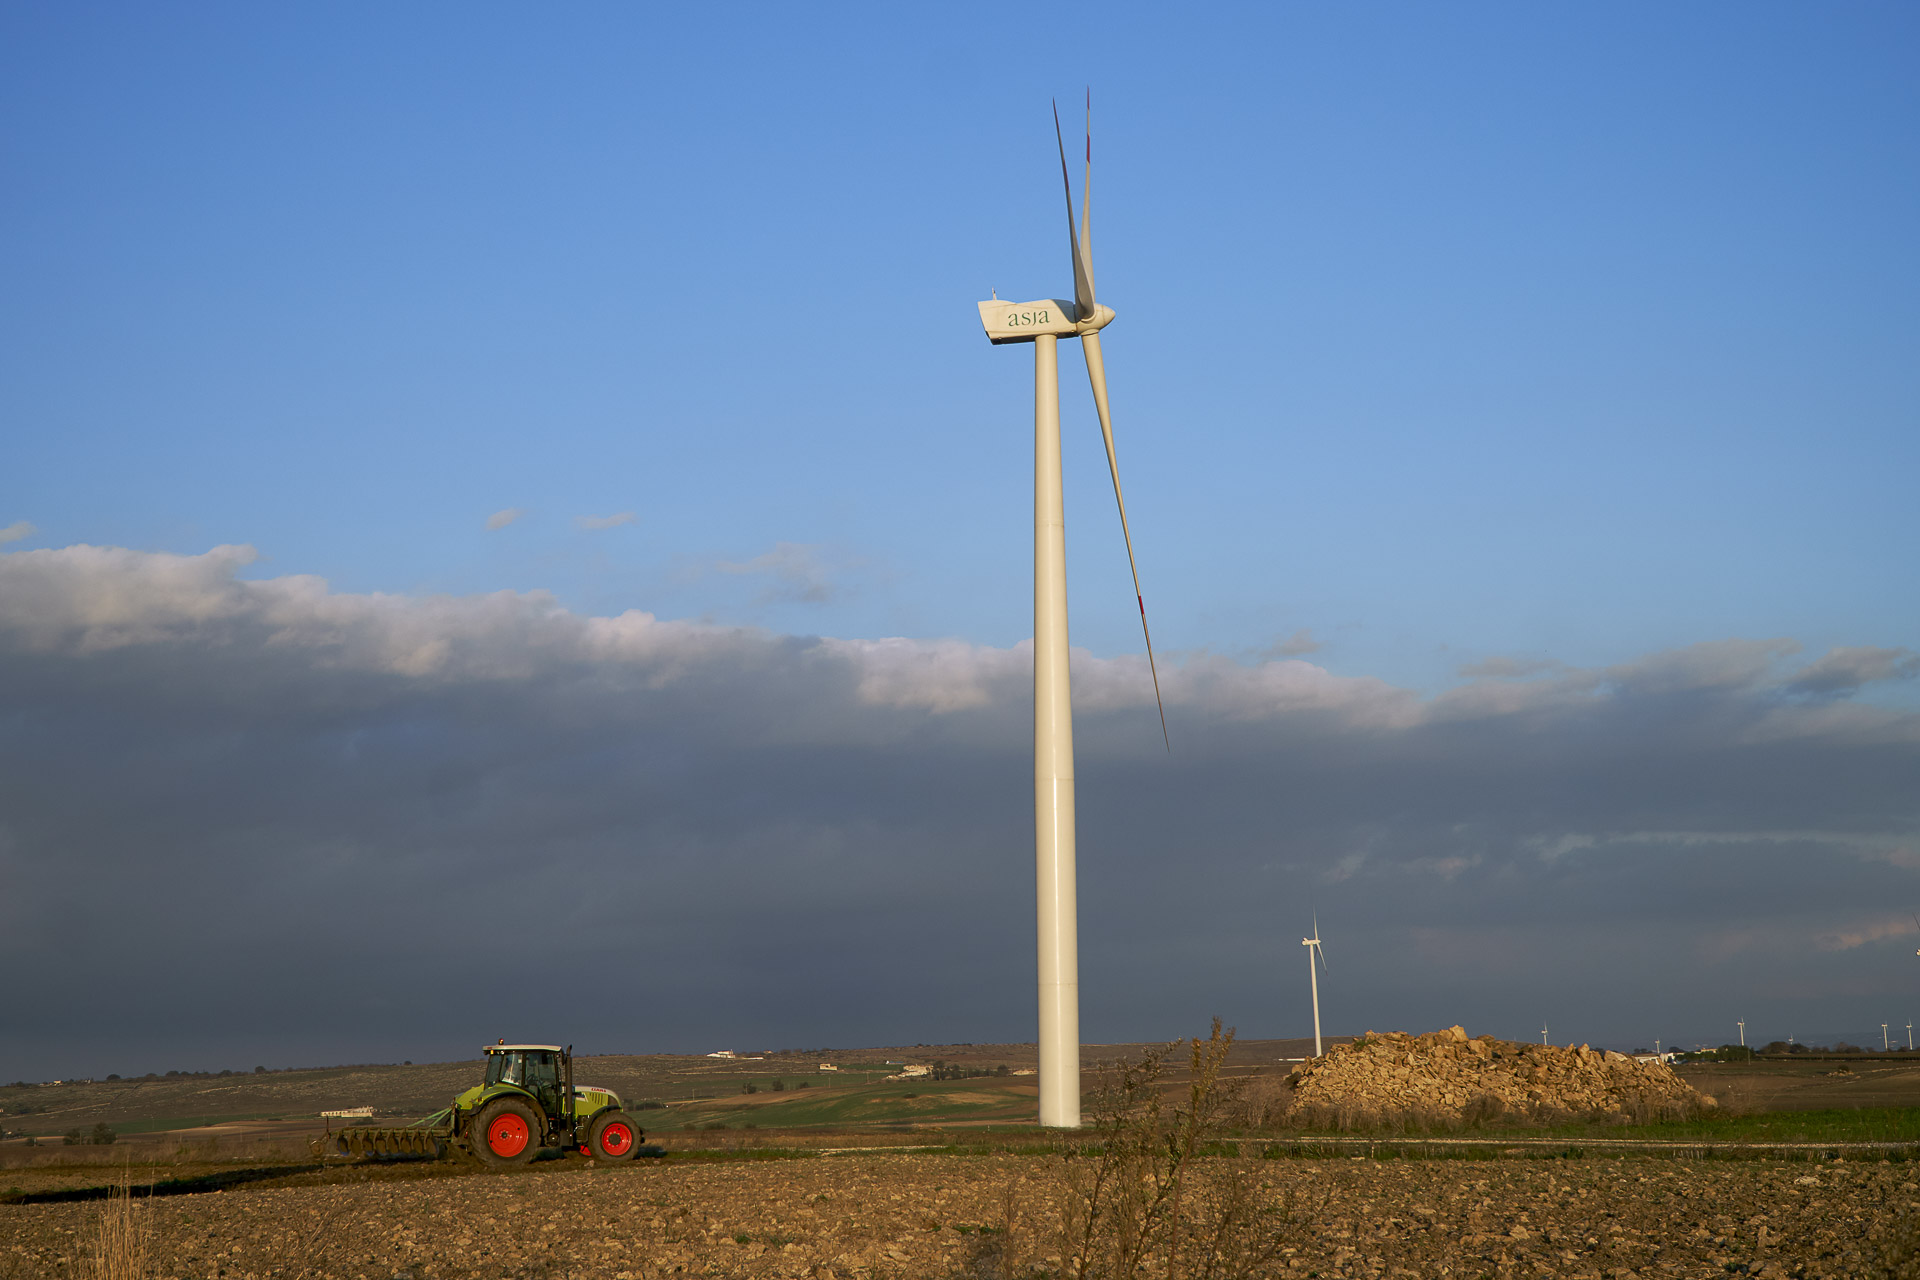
x=797 y=571
x=605 y=522
x=14 y=532
x=1714 y=664
x=504 y=517
x=1299 y=643
x=1846 y=669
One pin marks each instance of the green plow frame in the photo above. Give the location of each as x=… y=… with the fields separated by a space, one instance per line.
x=429 y=1137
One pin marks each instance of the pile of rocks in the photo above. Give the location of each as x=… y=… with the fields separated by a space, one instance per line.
x=1449 y=1076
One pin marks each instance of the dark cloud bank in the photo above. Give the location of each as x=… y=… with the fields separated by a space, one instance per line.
x=262 y=822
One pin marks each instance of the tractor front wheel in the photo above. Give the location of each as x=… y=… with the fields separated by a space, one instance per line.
x=505 y=1133
x=614 y=1136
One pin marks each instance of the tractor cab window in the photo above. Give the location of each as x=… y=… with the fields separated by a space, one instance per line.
x=507 y=1068
x=543 y=1080
x=536 y=1071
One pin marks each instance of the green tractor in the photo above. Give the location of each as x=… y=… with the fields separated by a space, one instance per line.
x=526 y=1103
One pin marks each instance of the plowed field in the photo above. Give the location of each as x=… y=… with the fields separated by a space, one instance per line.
x=930 y=1215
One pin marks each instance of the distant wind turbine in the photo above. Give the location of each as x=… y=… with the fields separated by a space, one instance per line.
x=1313 y=976
x=1543 y=1033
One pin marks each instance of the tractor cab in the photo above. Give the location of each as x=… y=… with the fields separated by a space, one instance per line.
x=532 y=1067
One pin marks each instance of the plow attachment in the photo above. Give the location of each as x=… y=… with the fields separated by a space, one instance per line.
x=363 y=1140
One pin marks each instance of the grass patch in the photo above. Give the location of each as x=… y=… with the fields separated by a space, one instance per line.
x=1899 y=1125
x=1865 y=1124
x=862 y=1106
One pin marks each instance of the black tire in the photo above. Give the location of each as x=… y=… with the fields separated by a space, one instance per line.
x=614 y=1136
x=493 y=1133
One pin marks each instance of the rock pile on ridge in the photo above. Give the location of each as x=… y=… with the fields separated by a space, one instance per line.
x=1449 y=1076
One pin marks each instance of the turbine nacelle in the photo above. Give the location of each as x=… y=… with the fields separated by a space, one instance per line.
x=1024 y=321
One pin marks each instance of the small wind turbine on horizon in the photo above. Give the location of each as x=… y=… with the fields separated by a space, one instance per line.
x=1543 y=1033
x=1313 y=977
x=1044 y=323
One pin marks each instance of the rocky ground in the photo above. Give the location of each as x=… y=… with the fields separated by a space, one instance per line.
x=931 y=1215
x=1449 y=1076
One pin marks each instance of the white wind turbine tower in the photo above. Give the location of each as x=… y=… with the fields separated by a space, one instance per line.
x=1313 y=976
x=1044 y=323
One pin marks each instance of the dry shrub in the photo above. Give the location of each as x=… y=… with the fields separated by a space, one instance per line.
x=123 y=1237
x=1148 y=1194
x=1258 y=1103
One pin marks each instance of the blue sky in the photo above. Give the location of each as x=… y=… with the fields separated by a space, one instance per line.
x=1454 y=345
x=1443 y=334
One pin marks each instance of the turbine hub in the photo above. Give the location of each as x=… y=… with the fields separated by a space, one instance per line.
x=1102 y=317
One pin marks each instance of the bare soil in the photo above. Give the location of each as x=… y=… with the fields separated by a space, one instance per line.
x=1820 y=1085
x=771 y=1202
x=904 y=1215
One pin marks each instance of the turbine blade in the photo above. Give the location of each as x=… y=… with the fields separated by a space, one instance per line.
x=1082 y=267
x=1317 y=947
x=1084 y=263
x=1097 y=374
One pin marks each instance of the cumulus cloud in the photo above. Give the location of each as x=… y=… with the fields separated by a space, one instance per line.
x=1716 y=664
x=265 y=794
x=1843 y=670
x=16 y=531
x=504 y=517
x=605 y=522
x=1299 y=644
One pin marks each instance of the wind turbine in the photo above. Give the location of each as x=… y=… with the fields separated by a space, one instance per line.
x=1909 y=1037
x=1313 y=975
x=1044 y=323
x=1743 y=1033
x=1543 y=1033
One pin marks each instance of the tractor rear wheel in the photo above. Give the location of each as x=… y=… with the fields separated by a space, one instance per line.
x=614 y=1136
x=505 y=1133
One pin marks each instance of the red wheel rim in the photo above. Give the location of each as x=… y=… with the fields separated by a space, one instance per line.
x=507 y=1134
x=616 y=1139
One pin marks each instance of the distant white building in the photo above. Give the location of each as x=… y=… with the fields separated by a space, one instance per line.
x=723 y=1053
x=911 y=1072
x=828 y=1066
